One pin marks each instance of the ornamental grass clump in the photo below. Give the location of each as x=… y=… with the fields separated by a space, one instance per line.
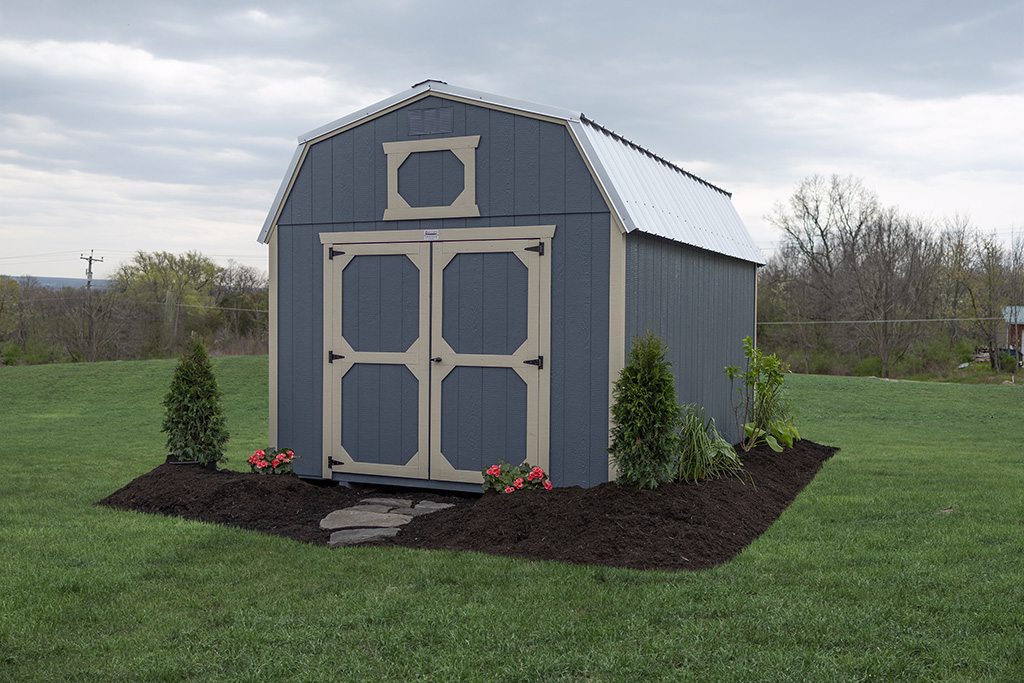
x=703 y=453
x=645 y=438
x=194 y=421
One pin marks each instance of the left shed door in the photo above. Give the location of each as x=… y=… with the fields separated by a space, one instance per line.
x=376 y=358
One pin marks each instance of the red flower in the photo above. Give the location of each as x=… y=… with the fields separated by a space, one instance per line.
x=547 y=484
x=535 y=473
x=518 y=483
x=509 y=489
x=494 y=470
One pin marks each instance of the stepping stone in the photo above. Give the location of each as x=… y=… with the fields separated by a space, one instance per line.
x=375 y=508
x=354 y=536
x=349 y=518
x=432 y=505
x=392 y=502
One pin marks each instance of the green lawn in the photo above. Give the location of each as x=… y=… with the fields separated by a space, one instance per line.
x=904 y=559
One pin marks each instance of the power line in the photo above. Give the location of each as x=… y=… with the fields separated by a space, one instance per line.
x=867 y=322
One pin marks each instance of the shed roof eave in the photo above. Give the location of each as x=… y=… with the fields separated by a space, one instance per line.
x=275 y=208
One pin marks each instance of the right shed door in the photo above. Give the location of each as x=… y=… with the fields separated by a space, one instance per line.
x=489 y=300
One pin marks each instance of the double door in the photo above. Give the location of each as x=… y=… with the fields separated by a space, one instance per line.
x=434 y=364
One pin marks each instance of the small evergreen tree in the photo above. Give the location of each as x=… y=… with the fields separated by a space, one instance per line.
x=646 y=414
x=194 y=421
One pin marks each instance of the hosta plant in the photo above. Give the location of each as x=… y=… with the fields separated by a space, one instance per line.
x=505 y=478
x=272 y=461
x=763 y=409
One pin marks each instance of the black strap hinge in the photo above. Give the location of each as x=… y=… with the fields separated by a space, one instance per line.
x=331 y=462
x=332 y=356
x=332 y=252
x=538 y=361
x=539 y=248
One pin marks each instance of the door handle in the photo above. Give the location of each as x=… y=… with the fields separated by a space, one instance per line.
x=436 y=359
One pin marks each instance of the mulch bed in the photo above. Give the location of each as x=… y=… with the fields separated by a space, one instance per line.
x=677 y=526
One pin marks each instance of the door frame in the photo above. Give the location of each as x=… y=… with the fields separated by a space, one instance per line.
x=541 y=233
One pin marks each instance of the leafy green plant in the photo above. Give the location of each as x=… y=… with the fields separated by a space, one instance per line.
x=703 y=453
x=645 y=412
x=763 y=409
x=194 y=421
x=505 y=478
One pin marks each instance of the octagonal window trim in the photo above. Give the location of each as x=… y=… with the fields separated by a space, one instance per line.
x=464 y=206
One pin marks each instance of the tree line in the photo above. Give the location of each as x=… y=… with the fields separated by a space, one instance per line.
x=149 y=310
x=845 y=256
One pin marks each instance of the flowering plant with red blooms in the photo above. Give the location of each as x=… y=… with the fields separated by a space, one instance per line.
x=506 y=478
x=272 y=461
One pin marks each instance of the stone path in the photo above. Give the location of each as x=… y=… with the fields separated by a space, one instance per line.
x=374 y=518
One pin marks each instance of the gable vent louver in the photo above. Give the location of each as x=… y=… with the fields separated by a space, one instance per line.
x=430 y=121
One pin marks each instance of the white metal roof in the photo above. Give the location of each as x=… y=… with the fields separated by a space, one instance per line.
x=648 y=193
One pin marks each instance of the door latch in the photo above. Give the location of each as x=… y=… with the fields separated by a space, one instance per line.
x=538 y=361
x=435 y=359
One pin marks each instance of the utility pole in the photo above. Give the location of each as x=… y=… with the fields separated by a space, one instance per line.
x=88 y=270
x=90 y=322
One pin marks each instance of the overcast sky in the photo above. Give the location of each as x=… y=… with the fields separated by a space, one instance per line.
x=128 y=126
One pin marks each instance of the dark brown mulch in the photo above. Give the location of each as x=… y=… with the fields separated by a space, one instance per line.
x=677 y=526
x=279 y=505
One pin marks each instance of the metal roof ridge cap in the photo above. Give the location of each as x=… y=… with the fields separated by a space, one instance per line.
x=510 y=102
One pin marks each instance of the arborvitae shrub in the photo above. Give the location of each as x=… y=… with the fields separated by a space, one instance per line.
x=194 y=421
x=645 y=438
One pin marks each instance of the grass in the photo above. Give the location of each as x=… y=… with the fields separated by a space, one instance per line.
x=902 y=560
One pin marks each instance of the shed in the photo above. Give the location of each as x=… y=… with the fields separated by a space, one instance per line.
x=455 y=278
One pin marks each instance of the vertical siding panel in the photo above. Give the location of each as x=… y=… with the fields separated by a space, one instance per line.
x=551 y=179
x=527 y=165
x=301 y=197
x=578 y=329
x=600 y=255
x=385 y=129
x=343 y=180
x=362 y=173
x=502 y=163
x=319 y=160
x=559 y=352
x=578 y=182
x=478 y=122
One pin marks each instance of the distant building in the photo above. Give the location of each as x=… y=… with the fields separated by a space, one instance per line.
x=1014 y=318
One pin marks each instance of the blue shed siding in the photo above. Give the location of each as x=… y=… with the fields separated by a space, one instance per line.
x=528 y=173
x=702 y=305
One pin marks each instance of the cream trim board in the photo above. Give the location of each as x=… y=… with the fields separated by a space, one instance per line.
x=504 y=232
x=464 y=148
x=616 y=318
x=272 y=347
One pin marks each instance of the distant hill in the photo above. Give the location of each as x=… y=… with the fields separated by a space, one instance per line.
x=61 y=282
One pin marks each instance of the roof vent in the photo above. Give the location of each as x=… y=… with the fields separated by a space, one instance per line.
x=429 y=80
x=430 y=121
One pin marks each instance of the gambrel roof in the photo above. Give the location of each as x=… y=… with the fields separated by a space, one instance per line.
x=647 y=192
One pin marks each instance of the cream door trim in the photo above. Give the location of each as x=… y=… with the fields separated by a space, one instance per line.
x=616 y=319
x=504 y=232
x=272 y=348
